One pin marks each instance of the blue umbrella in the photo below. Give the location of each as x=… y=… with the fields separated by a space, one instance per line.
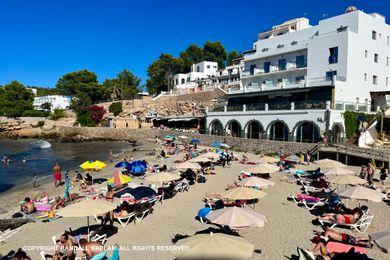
x=216 y=144
x=123 y=165
x=138 y=168
x=138 y=193
x=195 y=140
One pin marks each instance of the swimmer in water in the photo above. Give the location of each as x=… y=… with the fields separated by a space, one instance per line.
x=6 y=159
x=24 y=159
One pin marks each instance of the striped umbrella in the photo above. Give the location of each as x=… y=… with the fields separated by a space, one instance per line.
x=117 y=180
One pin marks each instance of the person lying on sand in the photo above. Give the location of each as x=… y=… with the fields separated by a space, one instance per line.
x=343 y=238
x=342 y=218
x=27 y=207
x=325 y=255
x=91 y=249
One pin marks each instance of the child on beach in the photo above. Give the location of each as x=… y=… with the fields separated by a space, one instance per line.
x=34 y=180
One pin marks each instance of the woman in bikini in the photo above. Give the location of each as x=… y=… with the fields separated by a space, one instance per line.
x=343 y=238
x=343 y=218
x=57 y=175
x=110 y=198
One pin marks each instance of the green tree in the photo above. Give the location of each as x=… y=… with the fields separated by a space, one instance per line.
x=214 y=51
x=232 y=56
x=46 y=106
x=129 y=84
x=79 y=83
x=161 y=73
x=57 y=114
x=193 y=54
x=115 y=108
x=46 y=91
x=15 y=98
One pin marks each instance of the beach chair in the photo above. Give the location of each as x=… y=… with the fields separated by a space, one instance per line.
x=157 y=199
x=360 y=226
x=309 y=204
x=182 y=186
x=124 y=221
x=141 y=213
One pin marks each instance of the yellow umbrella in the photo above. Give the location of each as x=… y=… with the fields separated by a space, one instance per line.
x=98 y=165
x=86 y=165
x=215 y=246
x=122 y=178
x=243 y=193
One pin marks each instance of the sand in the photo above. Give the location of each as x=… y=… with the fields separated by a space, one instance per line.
x=288 y=226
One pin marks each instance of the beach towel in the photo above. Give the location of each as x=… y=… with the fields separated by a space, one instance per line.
x=307 y=198
x=336 y=247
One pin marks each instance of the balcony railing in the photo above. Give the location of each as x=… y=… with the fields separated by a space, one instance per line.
x=279 y=106
x=235 y=108
x=310 y=105
x=255 y=107
x=290 y=66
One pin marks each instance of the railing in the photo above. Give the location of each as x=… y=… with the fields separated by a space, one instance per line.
x=235 y=108
x=218 y=109
x=255 y=107
x=354 y=106
x=290 y=66
x=279 y=106
x=315 y=104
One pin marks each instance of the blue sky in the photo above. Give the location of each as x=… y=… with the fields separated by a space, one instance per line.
x=40 y=40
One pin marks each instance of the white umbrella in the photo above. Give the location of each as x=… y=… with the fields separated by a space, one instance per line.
x=338 y=170
x=211 y=155
x=326 y=163
x=188 y=165
x=256 y=182
x=347 y=180
x=362 y=193
x=292 y=158
x=162 y=177
x=263 y=168
x=183 y=137
x=237 y=217
x=243 y=193
x=200 y=159
x=215 y=246
x=382 y=239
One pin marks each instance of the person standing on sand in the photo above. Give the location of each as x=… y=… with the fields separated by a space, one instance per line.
x=57 y=174
x=34 y=181
x=110 y=155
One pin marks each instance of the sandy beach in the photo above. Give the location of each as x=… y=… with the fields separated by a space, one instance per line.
x=288 y=225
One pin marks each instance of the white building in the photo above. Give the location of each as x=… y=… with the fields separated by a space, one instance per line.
x=56 y=101
x=230 y=76
x=199 y=72
x=298 y=79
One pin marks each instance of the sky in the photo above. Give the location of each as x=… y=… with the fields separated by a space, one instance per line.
x=41 y=40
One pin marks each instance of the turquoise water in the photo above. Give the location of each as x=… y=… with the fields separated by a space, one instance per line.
x=40 y=156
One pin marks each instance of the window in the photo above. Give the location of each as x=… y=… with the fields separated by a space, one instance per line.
x=252 y=69
x=365 y=76
x=333 y=55
x=375 y=80
x=330 y=75
x=267 y=66
x=299 y=79
x=388 y=40
x=300 y=61
x=366 y=53
x=197 y=68
x=208 y=66
x=183 y=81
x=177 y=82
x=376 y=57
x=282 y=64
x=387 y=81
x=387 y=61
x=373 y=35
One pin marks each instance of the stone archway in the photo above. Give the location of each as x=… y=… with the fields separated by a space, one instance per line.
x=278 y=130
x=216 y=127
x=233 y=128
x=337 y=133
x=307 y=132
x=254 y=130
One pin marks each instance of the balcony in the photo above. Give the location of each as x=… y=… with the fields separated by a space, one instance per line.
x=290 y=66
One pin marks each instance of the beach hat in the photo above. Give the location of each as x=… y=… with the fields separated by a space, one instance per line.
x=382 y=239
x=243 y=193
x=237 y=217
x=162 y=177
x=347 y=179
x=362 y=193
x=215 y=246
x=256 y=182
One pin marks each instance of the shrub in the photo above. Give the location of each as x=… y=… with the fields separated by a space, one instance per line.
x=115 y=108
x=352 y=121
x=85 y=119
x=57 y=114
x=35 y=113
x=97 y=113
x=40 y=124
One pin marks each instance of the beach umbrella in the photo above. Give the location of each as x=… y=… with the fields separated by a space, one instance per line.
x=183 y=137
x=362 y=193
x=382 y=239
x=98 y=165
x=86 y=165
x=200 y=159
x=237 y=217
x=137 y=167
x=292 y=158
x=263 y=168
x=169 y=137
x=119 y=179
x=255 y=182
x=216 y=144
x=86 y=208
x=223 y=145
x=327 y=163
x=188 y=165
x=243 y=193
x=163 y=177
x=123 y=164
x=215 y=246
x=211 y=155
x=338 y=170
x=138 y=193
x=195 y=140
x=268 y=159
x=347 y=179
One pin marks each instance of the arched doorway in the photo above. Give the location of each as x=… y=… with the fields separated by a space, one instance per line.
x=337 y=134
x=254 y=130
x=216 y=127
x=278 y=130
x=233 y=128
x=307 y=132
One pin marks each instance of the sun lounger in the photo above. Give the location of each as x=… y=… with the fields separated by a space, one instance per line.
x=182 y=186
x=142 y=214
x=310 y=205
x=360 y=226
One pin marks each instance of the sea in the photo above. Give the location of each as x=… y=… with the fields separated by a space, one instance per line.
x=30 y=156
